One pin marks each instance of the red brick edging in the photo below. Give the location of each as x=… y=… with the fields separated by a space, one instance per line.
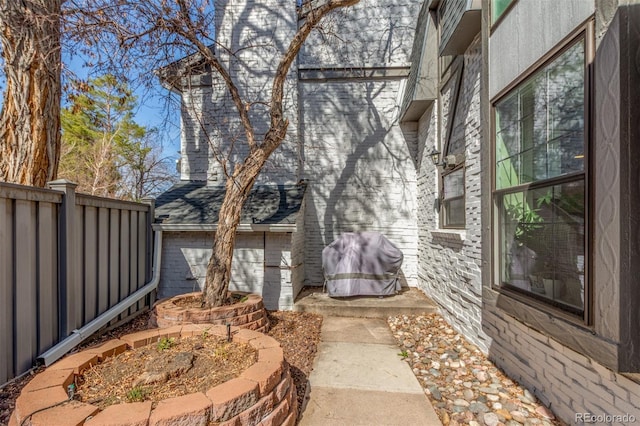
x=263 y=394
x=246 y=314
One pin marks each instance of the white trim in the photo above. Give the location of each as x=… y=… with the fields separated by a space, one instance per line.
x=243 y=227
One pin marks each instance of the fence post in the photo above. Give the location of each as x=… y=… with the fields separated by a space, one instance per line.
x=70 y=292
x=150 y=245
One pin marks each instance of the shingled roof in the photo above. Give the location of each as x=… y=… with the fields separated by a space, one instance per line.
x=195 y=203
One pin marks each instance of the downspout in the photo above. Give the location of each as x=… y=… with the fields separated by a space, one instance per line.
x=79 y=335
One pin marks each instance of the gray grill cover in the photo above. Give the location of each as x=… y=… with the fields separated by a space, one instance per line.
x=361 y=263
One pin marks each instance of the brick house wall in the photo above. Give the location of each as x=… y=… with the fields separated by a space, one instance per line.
x=358 y=159
x=450 y=259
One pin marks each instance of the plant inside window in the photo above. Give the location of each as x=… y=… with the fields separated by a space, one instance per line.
x=540 y=182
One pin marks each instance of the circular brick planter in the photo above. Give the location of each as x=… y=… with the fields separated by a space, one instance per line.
x=249 y=313
x=263 y=394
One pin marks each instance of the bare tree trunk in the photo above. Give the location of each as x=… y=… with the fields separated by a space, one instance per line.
x=30 y=117
x=238 y=188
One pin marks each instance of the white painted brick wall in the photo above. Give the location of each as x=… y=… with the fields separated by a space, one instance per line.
x=360 y=171
x=449 y=260
x=185 y=256
x=257 y=32
x=371 y=32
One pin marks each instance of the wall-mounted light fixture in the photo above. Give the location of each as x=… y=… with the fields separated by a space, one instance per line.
x=435 y=156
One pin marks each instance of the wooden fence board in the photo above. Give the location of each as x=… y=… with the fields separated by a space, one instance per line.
x=114 y=257
x=26 y=303
x=7 y=369
x=77 y=278
x=103 y=264
x=98 y=247
x=125 y=259
x=133 y=251
x=90 y=255
x=142 y=251
x=47 y=276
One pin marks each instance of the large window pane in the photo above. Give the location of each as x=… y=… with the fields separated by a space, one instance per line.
x=453 y=198
x=540 y=126
x=542 y=240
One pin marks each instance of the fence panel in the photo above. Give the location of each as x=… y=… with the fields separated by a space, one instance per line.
x=6 y=290
x=65 y=258
x=47 y=275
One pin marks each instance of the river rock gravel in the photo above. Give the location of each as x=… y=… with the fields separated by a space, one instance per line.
x=462 y=384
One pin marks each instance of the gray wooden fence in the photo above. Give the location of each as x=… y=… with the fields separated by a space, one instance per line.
x=65 y=258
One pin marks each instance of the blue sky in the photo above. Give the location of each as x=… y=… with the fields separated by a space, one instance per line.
x=153 y=110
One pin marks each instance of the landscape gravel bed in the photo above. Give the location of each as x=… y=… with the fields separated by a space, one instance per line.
x=463 y=385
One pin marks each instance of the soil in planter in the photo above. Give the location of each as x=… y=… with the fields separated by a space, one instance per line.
x=196 y=301
x=169 y=368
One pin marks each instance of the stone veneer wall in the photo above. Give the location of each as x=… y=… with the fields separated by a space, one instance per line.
x=268 y=272
x=357 y=158
x=450 y=260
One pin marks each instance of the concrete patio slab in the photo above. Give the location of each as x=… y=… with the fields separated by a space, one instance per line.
x=356 y=330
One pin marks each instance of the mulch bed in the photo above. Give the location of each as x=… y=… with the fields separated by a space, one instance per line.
x=297 y=332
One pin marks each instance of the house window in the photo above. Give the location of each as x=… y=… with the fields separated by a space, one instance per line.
x=498 y=7
x=540 y=177
x=453 y=211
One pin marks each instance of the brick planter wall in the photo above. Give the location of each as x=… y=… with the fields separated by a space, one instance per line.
x=249 y=314
x=263 y=394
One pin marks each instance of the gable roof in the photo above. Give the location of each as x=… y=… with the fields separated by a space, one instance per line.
x=196 y=203
x=172 y=76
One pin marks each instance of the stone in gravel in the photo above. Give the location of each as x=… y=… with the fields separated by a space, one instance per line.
x=510 y=406
x=461 y=402
x=493 y=398
x=490 y=419
x=458 y=409
x=496 y=406
x=468 y=394
x=478 y=407
x=444 y=415
x=488 y=390
x=545 y=412
x=467 y=384
x=529 y=396
x=435 y=393
x=455 y=364
x=518 y=416
x=503 y=413
x=434 y=372
x=512 y=423
x=435 y=365
x=532 y=421
x=474 y=423
x=482 y=376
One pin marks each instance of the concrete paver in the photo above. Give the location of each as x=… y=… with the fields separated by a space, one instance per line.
x=360 y=379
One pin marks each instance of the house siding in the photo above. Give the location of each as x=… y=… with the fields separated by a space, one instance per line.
x=572 y=367
x=561 y=378
x=360 y=169
x=358 y=159
x=262 y=264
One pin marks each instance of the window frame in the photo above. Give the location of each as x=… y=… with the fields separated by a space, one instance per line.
x=454 y=74
x=443 y=201
x=494 y=23
x=585 y=33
